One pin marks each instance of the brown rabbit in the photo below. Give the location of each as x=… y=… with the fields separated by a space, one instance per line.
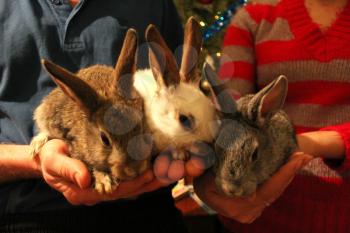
x=100 y=115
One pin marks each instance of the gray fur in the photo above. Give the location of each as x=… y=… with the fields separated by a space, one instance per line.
x=260 y=125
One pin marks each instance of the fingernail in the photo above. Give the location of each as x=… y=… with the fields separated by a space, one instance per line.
x=77 y=180
x=81 y=181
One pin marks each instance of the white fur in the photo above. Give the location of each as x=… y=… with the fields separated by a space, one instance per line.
x=163 y=106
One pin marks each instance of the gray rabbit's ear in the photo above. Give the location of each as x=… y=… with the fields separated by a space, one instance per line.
x=162 y=61
x=219 y=92
x=271 y=98
x=74 y=87
x=126 y=66
x=191 y=50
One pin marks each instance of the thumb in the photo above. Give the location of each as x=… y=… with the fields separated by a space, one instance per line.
x=69 y=169
x=299 y=160
x=273 y=187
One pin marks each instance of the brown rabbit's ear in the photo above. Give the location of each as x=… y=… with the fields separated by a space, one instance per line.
x=219 y=94
x=191 y=49
x=162 y=61
x=126 y=66
x=269 y=99
x=77 y=89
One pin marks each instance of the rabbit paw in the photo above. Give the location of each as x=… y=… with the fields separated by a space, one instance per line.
x=104 y=184
x=37 y=143
x=180 y=155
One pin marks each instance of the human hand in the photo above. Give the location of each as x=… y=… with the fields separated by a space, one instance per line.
x=325 y=144
x=246 y=210
x=169 y=170
x=71 y=177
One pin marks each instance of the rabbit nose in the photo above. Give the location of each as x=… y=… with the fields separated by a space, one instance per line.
x=231 y=189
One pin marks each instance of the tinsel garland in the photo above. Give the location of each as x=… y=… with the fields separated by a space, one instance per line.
x=221 y=20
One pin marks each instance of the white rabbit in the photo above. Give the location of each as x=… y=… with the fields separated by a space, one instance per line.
x=177 y=111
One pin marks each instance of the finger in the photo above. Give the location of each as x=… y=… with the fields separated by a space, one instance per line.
x=67 y=168
x=78 y=196
x=176 y=170
x=161 y=166
x=127 y=188
x=152 y=186
x=195 y=166
x=274 y=187
x=55 y=146
x=55 y=161
x=205 y=188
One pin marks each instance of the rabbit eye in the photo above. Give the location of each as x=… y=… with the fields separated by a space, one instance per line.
x=105 y=139
x=255 y=155
x=186 y=121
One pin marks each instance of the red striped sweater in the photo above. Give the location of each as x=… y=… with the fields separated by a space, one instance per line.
x=274 y=37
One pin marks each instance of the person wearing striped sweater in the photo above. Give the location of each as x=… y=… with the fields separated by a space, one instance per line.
x=308 y=42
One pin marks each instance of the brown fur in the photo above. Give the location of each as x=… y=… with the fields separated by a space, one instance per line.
x=77 y=117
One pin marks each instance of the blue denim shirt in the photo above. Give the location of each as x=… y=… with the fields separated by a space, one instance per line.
x=90 y=33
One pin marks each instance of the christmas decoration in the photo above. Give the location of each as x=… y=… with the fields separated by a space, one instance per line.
x=221 y=20
x=214 y=16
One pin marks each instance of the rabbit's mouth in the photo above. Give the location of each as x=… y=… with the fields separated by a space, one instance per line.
x=236 y=188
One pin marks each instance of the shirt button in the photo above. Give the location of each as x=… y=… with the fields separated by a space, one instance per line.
x=56 y=2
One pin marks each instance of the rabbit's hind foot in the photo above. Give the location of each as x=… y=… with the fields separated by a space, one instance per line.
x=104 y=184
x=37 y=143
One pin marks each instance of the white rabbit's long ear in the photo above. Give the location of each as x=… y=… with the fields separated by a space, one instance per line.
x=191 y=50
x=269 y=99
x=126 y=66
x=74 y=87
x=162 y=61
x=219 y=93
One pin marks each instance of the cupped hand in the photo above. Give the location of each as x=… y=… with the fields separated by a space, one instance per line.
x=71 y=177
x=169 y=170
x=246 y=210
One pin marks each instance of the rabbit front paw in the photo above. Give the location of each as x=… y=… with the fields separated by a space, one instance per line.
x=104 y=184
x=180 y=155
x=37 y=143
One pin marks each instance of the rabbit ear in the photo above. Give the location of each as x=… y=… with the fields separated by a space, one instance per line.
x=220 y=94
x=162 y=61
x=126 y=66
x=77 y=89
x=271 y=98
x=191 y=50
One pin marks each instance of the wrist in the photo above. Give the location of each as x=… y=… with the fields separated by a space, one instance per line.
x=29 y=165
x=16 y=163
x=328 y=144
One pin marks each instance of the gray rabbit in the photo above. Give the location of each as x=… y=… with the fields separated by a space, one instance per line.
x=255 y=137
x=100 y=115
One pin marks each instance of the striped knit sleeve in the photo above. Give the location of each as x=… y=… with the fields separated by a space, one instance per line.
x=344 y=132
x=238 y=57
